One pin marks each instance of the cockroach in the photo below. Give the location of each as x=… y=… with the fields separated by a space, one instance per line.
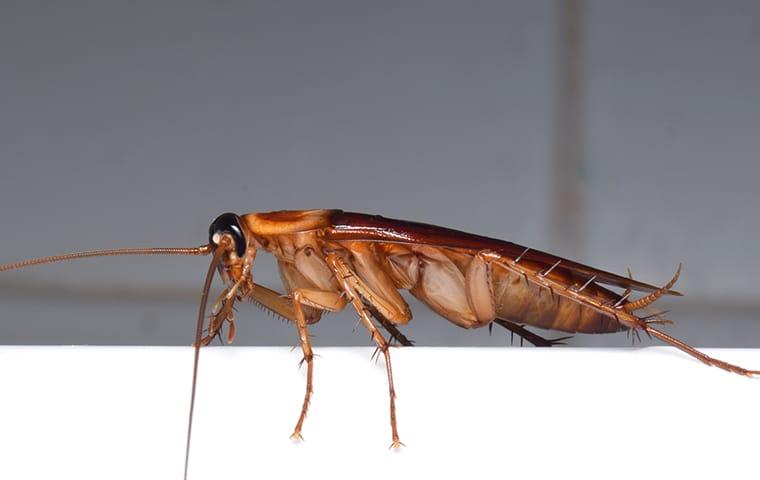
x=329 y=259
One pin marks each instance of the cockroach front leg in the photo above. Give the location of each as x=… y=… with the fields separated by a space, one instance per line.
x=322 y=300
x=223 y=309
x=354 y=287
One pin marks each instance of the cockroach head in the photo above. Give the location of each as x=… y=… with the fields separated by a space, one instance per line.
x=228 y=223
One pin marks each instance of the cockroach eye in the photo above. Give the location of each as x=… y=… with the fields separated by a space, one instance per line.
x=228 y=223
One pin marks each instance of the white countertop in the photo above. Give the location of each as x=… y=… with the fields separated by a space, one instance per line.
x=120 y=412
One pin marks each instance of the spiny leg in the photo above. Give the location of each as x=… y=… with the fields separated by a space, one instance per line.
x=322 y=300
x=704 y=358
x=223 y=310
x=226 y=313
x=354 y=287
x=394 y=332
x=533 y=338
x=291 y=308
x=273 y=301
x=383 y=346
x=624 y=313
x=308 y=357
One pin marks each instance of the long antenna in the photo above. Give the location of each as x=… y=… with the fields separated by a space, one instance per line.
x=197 y=345
x=202 y=250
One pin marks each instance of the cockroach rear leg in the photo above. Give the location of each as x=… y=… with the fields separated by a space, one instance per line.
x=392 y=330
x=704 y=358
x=356 y=289
x=533 y=338
x=383 y=346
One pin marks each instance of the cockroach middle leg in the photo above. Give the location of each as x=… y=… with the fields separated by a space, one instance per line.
x=322 y=300
x=308 y=357
x=356 y=289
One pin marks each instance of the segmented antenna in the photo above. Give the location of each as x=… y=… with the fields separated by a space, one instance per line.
x=202 y=250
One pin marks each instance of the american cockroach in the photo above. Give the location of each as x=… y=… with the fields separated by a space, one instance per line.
x=329 y=259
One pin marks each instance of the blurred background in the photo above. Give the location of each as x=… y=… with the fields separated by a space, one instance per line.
x=621 y=134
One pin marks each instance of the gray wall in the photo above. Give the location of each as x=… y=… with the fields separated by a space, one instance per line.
x=134 y=124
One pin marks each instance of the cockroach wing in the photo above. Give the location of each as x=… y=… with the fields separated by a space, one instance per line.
x=363 y=227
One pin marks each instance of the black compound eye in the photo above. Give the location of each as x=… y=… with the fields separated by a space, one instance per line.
x=228 y=223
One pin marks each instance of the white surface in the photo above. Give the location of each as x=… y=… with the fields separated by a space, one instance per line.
x=120 y=412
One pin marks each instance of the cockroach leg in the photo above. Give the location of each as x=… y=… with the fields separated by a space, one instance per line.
x=356 y=289
x=383 y=346
x=308 y=357
x=272 y=301
x=322 y=300
x=706 y=359
x=216 y=322
x=533 y=338
x=392 y=330
x=223 y=310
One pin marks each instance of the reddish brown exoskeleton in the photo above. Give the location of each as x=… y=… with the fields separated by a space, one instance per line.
x=329 y=259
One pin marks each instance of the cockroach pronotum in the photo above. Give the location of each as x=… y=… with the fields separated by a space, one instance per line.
x=329 y=259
